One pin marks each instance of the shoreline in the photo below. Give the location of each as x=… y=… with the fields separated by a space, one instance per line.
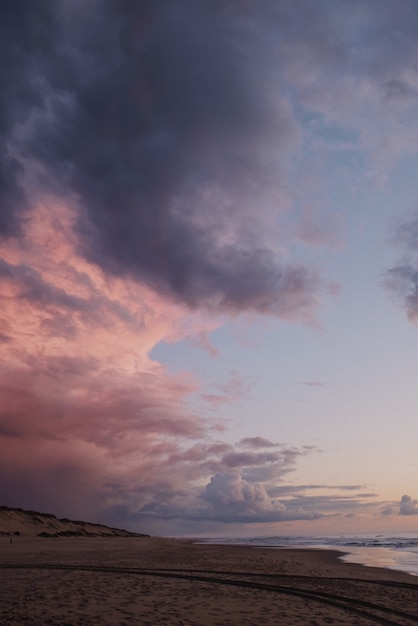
x=393 y=558
x=176 y=582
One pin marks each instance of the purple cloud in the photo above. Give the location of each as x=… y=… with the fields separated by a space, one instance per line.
x=166 y=131
x=158 y=163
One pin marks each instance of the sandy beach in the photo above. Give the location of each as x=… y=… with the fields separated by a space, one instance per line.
x=149 y=581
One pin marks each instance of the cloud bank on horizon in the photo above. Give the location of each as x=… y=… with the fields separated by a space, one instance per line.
x=163 y=169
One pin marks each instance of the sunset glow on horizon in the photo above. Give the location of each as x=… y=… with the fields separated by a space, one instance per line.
x=209 y=264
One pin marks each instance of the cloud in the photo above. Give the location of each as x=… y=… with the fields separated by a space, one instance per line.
x=76 y=381
x=296 y=489
x=257 y=442
x=359 y=85
x=398 y=89
x=240 y=500
x=90 y=425
x=173 y=129
x=233 y=499
x=408 y=506
x=27 y=33
x=402 y=279
x=160 y=168
x=170 y=136
x=388 y=510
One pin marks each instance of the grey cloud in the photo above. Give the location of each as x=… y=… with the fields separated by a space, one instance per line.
x=326 y=505
x=408 y=506
x=165 y=121
x=388 y=510
x=240 y=459
x=229 y=495
x=257 y=442
x=232 y=498
x=398 y=89
x=26 y=35
x=236 y=498
x=300 y=498
x=255 y=467
x=283 y=490
x=12 y=198
x=265 y=467
x=406 y=233
x=402 y=279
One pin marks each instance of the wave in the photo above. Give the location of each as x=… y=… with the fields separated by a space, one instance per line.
x=393 y=551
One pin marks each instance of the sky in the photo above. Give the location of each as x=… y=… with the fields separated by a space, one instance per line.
x=209 y=264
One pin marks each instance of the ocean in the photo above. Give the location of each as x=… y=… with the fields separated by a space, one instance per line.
x=397 y=551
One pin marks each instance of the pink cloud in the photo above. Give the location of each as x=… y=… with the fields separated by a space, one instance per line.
x=75 y=373
x=89 y=423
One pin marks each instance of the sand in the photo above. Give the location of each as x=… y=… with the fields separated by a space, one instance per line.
x=33 y=523
x=148 y=581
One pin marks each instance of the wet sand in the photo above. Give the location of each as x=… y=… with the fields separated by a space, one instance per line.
x=149 y=581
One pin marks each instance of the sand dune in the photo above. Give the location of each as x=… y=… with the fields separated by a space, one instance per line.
x=31 y=523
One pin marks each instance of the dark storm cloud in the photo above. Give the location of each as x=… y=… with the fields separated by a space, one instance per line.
x=165 y=122
x=396 y=89
x=26 y=32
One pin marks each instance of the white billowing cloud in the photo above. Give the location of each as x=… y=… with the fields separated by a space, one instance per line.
x=228 y=490
x=408 y=506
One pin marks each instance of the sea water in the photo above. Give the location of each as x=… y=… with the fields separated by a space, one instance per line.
x=397 y=551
